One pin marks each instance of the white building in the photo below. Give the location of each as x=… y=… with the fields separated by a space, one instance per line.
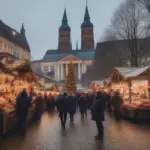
x=13 y=43
x=55 y=62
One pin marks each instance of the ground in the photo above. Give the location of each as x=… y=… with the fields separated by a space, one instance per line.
x=48 y=135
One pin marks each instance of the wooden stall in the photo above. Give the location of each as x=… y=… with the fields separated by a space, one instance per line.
x=133 y=84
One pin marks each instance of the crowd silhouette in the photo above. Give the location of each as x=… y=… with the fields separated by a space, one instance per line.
x=68 y=104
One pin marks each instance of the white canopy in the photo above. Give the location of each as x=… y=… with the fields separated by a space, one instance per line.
x=137 y=72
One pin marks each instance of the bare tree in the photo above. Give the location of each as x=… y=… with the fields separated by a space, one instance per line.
x=128 y=25
x=146 y=4
x=109 y=34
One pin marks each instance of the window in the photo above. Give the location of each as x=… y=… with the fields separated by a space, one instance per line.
x=52 y=68
x=45 y=68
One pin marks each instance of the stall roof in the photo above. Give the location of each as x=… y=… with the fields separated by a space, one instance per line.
x=137 y=72
x=125 y=70
x=127 y=73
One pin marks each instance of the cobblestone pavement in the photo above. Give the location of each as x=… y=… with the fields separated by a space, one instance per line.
x=48 y=135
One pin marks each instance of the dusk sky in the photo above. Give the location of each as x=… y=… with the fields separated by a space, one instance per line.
x=42 y=19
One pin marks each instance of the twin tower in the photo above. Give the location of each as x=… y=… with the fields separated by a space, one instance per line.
x=87 y=36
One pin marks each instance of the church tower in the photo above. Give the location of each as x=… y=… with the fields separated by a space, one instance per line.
x=87 y=36
x=64 y=44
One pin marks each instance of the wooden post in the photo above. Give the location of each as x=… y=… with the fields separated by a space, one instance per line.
x=130 y=91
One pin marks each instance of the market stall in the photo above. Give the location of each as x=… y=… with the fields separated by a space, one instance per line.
x=11 y=85
x=99 y=85
x=133 y=84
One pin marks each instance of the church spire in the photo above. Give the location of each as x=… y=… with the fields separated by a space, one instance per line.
x=86 y=16
x=64 y=40
x=87 y=39
x=64 y=25
x=86 y=22
x=77 y=46
x=22 y=30
x=65 y=20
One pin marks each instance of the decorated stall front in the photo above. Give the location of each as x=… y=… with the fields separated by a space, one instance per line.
x=133 y=84
x=13 y=79
x=99 y=85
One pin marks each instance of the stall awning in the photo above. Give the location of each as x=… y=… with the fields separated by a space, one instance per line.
x=122 y=74
x=137 y=72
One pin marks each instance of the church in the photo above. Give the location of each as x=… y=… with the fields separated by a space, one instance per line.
x=55 y=62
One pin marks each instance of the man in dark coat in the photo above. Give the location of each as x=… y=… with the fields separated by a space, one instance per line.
x=97 y=111
x=82 y=106
x=116 y=102
x=22 y=106
x=63 y=108
x=39 y=104
x=72 y=105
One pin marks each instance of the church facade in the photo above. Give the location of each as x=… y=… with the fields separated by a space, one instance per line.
x=55 y=62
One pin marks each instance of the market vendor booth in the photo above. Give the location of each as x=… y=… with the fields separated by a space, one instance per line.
x=21 y=76
x=133 y=84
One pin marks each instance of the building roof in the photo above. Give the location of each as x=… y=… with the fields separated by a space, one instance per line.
x=87 y=22
x=110 y=54
x=64 y=25
x=55 y=56
x=13 y=36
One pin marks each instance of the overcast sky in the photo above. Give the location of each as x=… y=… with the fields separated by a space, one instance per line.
x=42 y=19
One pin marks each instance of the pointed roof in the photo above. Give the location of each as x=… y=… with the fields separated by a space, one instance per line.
x=13 y=36
x=86 y=16
x=65 y=20
x=87 y=22
x=22 y=30
x=77 y=46
x=64 y=25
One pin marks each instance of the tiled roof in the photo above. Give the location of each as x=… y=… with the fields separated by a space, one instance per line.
x=18 y=39
x=55 y=55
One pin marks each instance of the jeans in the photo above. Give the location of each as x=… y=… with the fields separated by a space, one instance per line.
x=63 y=117
x=100 y=128
x=83 y=114
x=71 y=116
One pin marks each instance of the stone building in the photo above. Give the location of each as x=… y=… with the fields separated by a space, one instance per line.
x=55 y=62
x=13 y=43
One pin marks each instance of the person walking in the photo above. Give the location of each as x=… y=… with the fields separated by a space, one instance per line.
x=39 y=105
x=97 y=112
x=22 y=106
x=116 y=102
x=63 y=108
x=82 y=106
x=72 y=105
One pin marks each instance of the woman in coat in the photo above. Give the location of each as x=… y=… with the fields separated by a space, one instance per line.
x=97 y=111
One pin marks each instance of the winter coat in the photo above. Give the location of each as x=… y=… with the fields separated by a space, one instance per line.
x=63 y=104
x=116 y=102
x=82 y=104
x=22 y=105
x=72 y=103
x=39 y=104
x=97 y=109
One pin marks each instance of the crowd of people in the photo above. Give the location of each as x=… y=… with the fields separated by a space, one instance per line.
x=69 y=103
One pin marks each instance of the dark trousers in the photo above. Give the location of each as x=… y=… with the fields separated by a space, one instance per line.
x=1 y=124
x=71 y=116
x=100 y=128
x=63 y=117
x=117 y=114
x=83 y=114
x=38 y=115
x=23 y=124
